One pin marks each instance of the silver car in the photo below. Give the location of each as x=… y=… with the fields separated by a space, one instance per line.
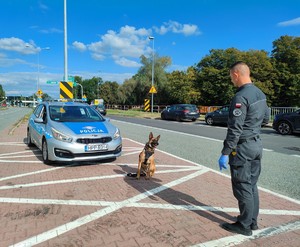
x=70 y=131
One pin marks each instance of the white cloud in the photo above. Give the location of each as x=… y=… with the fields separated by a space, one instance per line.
x=17 y=45
x=176 y=27
x=127 y=63
x=79 y=46
x=51 y=30
x=293 y=22
x=128 y=43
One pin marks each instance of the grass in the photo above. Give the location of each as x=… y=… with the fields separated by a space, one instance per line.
x=133 y=113
x=139 y=113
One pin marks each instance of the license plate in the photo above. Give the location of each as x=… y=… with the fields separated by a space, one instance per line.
x=95 y=147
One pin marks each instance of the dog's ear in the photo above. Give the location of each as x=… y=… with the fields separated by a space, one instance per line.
x=157 y=138
x=150 y=135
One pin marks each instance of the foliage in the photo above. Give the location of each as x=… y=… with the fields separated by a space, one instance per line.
x=207 y=82
x=2 y=92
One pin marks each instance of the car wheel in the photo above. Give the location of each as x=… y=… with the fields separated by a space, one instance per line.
x=29 y=142
x=162 y=116
x=45 y=152
x=284 y=128
x=209 y=121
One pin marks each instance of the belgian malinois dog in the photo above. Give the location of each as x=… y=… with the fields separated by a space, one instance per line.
x=146 y=158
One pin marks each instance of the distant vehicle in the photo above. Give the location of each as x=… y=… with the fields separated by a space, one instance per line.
x=287 y=123
x=100 y=108
x=219 y=116
x=180 y=112
x=72 y=131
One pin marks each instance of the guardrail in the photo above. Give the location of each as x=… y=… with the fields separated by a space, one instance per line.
x=203 y=109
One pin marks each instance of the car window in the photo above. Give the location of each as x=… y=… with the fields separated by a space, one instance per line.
x=37 y=111
x=68 y=113
x=224 y=109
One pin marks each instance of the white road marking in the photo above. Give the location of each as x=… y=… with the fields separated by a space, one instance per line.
x=85 y=179
x=239 y=239
x=133 y=202
x=102 y=212
x=143 y=205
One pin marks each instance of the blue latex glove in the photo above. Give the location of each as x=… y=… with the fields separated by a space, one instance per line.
x=223 y=162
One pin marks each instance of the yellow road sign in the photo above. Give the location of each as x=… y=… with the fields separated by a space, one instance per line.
x=152 y=90
x=39 y=92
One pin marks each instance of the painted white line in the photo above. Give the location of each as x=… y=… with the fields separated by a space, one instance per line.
x=102 y=212
x=239 y=239
x=21 y=152
x=30 y=173
x=85 y=179
x=163 y=206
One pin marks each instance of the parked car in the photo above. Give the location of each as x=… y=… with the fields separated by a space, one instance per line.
x=180 y=112
x=100 y=108
x=219 y=116
x=287 y=123
x=70 y=131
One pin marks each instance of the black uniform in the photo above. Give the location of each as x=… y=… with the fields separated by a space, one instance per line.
x=248 y=111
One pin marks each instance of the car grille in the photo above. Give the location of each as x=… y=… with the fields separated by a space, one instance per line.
x=94 y=140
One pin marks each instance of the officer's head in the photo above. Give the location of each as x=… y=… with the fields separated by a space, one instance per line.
x=240 y=74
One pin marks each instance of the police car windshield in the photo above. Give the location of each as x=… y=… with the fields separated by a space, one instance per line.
x=67 y=113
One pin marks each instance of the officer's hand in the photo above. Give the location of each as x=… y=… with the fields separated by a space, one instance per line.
x=223 y=162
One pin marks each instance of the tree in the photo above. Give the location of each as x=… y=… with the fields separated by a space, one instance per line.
x=181 y=87
x=2 y=93
x=286 y=59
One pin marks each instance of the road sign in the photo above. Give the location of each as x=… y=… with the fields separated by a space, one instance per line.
x=71 y=78
x=52 y=82
x=152 y=90
x=39 y=92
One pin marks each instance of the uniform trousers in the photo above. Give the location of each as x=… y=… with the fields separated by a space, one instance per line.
x=245 y=168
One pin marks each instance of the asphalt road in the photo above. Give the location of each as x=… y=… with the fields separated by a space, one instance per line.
x=12 y=115
x=202 y=144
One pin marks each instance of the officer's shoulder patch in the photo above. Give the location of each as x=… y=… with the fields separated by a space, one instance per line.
x=237 y=112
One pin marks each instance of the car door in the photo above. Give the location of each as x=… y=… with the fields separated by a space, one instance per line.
x=39 y=126
x=222 y=116
x=297 y=120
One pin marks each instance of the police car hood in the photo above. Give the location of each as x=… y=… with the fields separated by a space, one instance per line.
x=85 y=128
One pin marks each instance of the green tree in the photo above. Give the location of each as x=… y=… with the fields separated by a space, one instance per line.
x=286 y=59
x=181 y=87
x=2 y=93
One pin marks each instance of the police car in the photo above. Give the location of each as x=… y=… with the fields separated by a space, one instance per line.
x=72 y=131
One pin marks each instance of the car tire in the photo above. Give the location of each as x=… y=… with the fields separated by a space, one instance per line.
x=29 y=142
x=284 y=128
x=178 y=119
x=162 y=116
x=45 y=152
x=209 y=121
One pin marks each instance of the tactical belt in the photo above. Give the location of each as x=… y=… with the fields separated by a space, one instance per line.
x=254 y=138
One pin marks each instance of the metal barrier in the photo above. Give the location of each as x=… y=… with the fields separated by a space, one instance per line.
x=203 y=109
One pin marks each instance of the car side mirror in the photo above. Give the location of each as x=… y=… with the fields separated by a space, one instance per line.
x=38 y=120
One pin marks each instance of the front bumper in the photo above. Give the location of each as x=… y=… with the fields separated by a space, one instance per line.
x=63 y=151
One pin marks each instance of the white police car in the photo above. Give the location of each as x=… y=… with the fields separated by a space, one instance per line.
x=71 y=131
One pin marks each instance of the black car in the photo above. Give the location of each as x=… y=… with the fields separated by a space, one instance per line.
x=287 y=123
x=180 y=112
x=100 y=108
x=219 y=116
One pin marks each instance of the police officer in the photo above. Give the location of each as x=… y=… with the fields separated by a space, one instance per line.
x=243 y=148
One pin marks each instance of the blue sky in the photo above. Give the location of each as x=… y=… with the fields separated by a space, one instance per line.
x=106 y=38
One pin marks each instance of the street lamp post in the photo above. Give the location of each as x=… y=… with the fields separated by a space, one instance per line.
x=152 y=38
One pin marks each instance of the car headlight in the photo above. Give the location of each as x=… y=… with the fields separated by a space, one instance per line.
x=60 y=136
x=117 y=134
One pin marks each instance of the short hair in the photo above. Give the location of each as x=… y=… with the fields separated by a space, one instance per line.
x=241 y=67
